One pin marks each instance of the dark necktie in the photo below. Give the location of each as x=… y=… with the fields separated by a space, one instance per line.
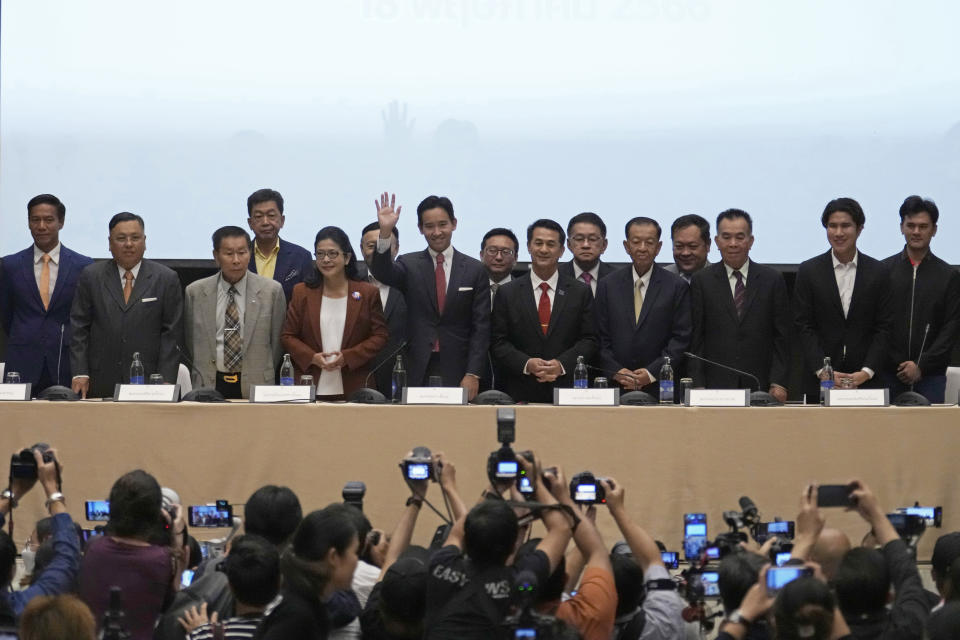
x=232 y=339
x=543 y=309
x=441 y=281
x=739 y=292
x=493 y=292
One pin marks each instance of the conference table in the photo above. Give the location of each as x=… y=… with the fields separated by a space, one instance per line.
x=670 y=459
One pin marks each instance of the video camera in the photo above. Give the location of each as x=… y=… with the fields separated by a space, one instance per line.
x=419 y=465
x=585 y=488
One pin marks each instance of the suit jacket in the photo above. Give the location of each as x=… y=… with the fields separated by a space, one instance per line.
x=263 y=314
x=107 y=331
x=757 y=343
x=395 y=314
x=672 y=268
x=517 y=336
x=294 y=263
x=663 y=328
x=364 y=334
x=34 y=336
x=857 y=341
x=566 y=269
x=463 y=329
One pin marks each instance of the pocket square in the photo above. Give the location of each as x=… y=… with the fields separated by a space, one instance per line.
x=148 y=300
x=465 y=289
x=293 y=274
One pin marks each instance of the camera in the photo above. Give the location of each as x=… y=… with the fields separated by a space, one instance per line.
x=782 y=530
x=908 y=525
x=353 y=493
x=211 y=515
x=585 y=488
x=419 y=465
x=98 y=510
x=527 y=623
x=24 y=465
x=502 y=464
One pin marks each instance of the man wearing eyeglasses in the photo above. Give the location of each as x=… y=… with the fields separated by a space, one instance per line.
x=273 y=257
x=587 y=240
x=498 y=253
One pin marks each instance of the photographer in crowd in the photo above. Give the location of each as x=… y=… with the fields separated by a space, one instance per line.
x=61 y=573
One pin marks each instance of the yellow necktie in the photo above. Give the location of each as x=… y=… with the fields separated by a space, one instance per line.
x=45 y=281
x=127 y=285
x=637 y=300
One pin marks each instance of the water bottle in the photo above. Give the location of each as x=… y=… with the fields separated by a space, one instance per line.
x=666 y=382
x=286 y=372
x=136 y=369
x=398 y=380
x=580 y=374
x=826 y=379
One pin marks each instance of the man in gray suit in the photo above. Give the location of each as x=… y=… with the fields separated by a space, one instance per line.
x=233 y=320
x=690 y=235
x=124 y=306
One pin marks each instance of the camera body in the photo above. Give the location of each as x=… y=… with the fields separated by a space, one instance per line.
x=419 y=465
x=503 y=465
x=353 y=493
x=24 y=465
x=585 y=488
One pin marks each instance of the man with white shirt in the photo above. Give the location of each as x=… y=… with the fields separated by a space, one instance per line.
x=587 y=240
x=690 y=235
x=233 y=321
x=541 y=322
x=841 y=304
x=36 y=290
x=124 y=306
x=498 y=253
x=394 y=308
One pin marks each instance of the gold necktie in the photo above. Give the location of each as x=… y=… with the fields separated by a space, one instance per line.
x=127 y=285
x=637 y=300
x=45 y=281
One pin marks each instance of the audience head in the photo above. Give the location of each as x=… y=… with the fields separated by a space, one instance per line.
x=628 y=578
x=231 y=252
x=690 y=235
x=498 y=252
x=323 y=553
x=135 y=503
x=127 y=239
x=368 y=241
x=403 y=596
x=862 y=582
x=253 y=570
x=944 y=624
x=829 y=551
x=552 y=589
x=436 y=222
x=272 y=513
x=63 y=617
x=804 y=610
x=45 y=215
x=945 y=551
x=738 y=572
x=642 y=242
x=265 y=214
x=587 y=239
x=334 y=256
x=734 y=237
x=490 y=533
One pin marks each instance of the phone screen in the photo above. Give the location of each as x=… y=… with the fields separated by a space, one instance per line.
x=779 y=577
x=209 y=516
x=783 y=558
x=523 y=484
x=671 y=559
x=711 y=584
x=186 y=578
x=694 y=534
x=98 y=510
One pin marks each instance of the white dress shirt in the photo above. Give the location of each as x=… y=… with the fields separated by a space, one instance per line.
x=499 y=284
x=595 y=273
x=333 y=319
x=54 y=266
x=537 y=292
x=733 y=279
x=846 y=275
x=223 y=287
x=384 y=291
x=135 y=271
x=383 y=245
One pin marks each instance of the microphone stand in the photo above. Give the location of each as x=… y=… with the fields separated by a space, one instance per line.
x=763 y=398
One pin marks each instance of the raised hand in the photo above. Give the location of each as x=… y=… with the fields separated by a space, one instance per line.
x=387 y=216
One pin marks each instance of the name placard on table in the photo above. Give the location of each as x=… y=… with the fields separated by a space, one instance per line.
x=857 y=398
x=20 y=391
x=609 y=397
x=146 y=393
x=434 y=395
x=265 y=393
x=717 y=398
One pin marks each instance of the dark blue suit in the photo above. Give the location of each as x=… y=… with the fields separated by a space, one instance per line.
x=463 y=329
x=395 y=314
x=33 y=333
x=663 y=329
x=294 y=263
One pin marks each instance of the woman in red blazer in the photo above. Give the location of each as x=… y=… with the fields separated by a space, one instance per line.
x=335 y=323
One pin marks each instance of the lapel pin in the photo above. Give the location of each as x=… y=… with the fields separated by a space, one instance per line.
x=355 y=295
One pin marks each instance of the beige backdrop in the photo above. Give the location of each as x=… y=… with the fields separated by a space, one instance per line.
x=671 y=459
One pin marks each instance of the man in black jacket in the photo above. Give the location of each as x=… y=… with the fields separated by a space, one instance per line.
x=925 y=297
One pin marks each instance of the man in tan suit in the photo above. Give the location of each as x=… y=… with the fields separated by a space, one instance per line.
x=233 y=321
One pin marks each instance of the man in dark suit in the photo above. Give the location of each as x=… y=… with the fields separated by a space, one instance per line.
x=447 y=295
x=541 y=322
x=741 y=315
x=841 y=305
x=690 y=235
x=124 y=306
x=273 y=257
x=499 y=249
x=587 y=240
x=36 y=291
x=394 y=308
x=642 y=313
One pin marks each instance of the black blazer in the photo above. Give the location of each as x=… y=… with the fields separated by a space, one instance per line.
x=396 y=316
x=857 y=341
x=464 y=327
x=517 y=336
x=663 y=328
x=757 y=343
x=107 y=331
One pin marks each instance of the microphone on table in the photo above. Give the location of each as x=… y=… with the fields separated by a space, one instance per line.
x=367 y=395
x=202 y=393
x=758 y=398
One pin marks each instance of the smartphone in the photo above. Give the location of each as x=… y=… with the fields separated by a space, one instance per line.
x=694 y=535
x=933 y=515
x=98 y=510
x=779 y=577
x=186 y=578
x=835 y=495
x=713 y=553
x=782 y=558
x=210 y=516
x=524 y=485
x=907 y=524
x=671 y=559
x=783 y=530
x=89 y=534
x=711 y=584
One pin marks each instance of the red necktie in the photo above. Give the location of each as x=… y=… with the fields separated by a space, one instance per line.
x=586 y=277
x=441 y=283
x=543 y=309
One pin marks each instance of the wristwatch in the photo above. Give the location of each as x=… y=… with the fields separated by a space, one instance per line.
x=736 y=617
x=7 y=494
x=415 y=500
x=56 y=496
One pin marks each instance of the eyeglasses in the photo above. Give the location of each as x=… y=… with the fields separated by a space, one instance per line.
x=493 y=251
x=333 y=254
x=591 y=239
